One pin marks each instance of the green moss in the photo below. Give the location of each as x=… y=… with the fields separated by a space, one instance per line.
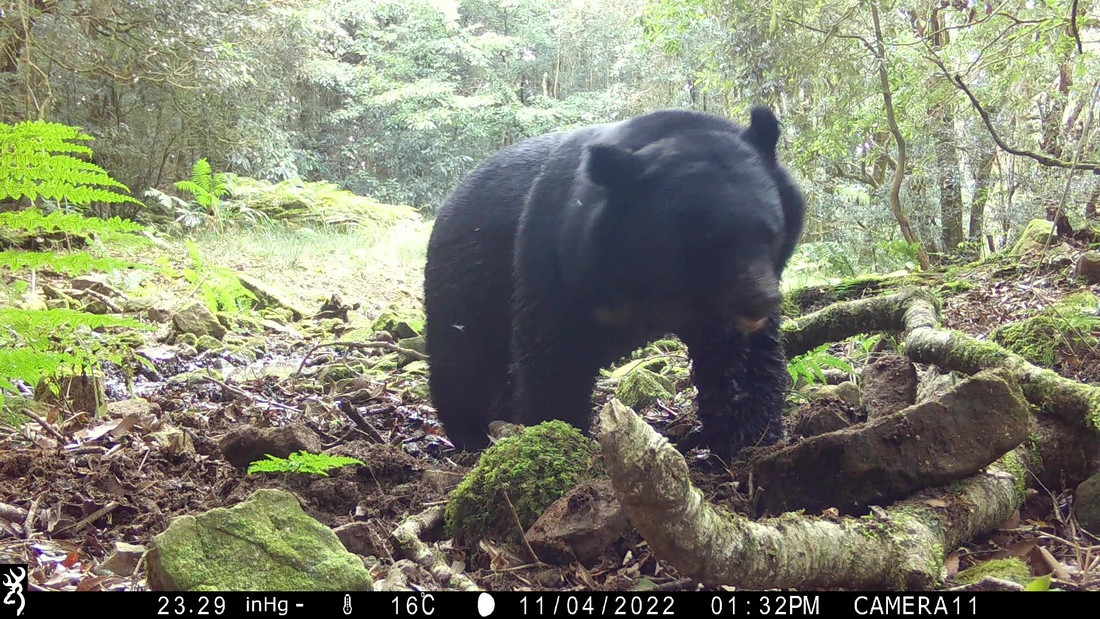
x=400 y=322
x=534 y=469
x=1006 y=569
x=186 y=338
x=1066 y=326
x=1018 y=471
x=207 y=342
x=643 y=387
x=1034 y=339
x=954 y=287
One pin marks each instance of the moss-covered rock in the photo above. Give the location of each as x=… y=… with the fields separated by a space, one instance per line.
x=266 y=543
x=206 y=342
x=643 y=387
x=197 y=319
x=533 y=469
x=1087 y=504
x=418 y=343
x=400 y=322
x=1035 y=236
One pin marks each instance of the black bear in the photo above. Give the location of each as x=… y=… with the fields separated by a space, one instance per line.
x=562 y=253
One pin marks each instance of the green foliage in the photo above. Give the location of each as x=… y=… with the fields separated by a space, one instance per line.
x=817 y=263
x=218 y=287
x=37 y=344
x=207 y=188
x=75 y=263
x=313 y=203
x=1042 y=583
x=37 y=161
x=302 y=462
x=32 y=221
x=809 y=366
x=1066 y=328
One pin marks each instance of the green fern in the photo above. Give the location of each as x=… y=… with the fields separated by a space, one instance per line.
x=219 y=288
x=75 y=263
x=36 y=344
x=37 y=161
x=34 y=221
x=809 y=366
x=301 y=462
x=207 y=188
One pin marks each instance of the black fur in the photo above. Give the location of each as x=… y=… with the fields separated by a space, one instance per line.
x=564 y=252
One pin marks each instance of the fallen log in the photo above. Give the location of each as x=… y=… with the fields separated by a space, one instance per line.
x=899 y=547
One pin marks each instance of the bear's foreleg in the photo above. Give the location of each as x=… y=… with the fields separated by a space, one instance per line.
x=742 y=382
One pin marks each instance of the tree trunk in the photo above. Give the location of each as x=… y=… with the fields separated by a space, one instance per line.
x=947 y=164
x=899 y=168
x=983 y=186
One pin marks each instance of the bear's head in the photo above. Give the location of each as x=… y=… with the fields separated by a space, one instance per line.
x=699 y=221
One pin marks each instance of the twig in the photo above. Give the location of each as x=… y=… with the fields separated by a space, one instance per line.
x=383 y=345
x=349 y=409
x=1073 y=28
x=1039 y=157
x=47 y=427
x=92 y=517
x=28 y=522
x=245 y=394
x=515 y=519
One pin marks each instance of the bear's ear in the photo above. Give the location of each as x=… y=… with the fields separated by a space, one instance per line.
x=763 y=132
x=612 y=166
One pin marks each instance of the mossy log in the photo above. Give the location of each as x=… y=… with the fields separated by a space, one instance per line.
x=900 y=547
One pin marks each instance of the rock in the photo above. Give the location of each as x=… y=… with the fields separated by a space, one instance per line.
x=533 y=470
x=135 y=306
x=880 y=461
x=136 y=406
x=266 y=543
x=198 y=320
x=80 y=393
x=97 y=283
x=1033 y=238
x=417 y=343
x=206 y=343
x=1087 y=504
x=580 y=526
x=847 y=392
x=830 y=408
x=643 y=387
x=820 y=417
x=400 y=322
x=242 y=446
x=270 y=297
x=360 y=538
x=123 y=561
x=889 y=385
x=1088 y=267
x=159 y=314
x=933 y=383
